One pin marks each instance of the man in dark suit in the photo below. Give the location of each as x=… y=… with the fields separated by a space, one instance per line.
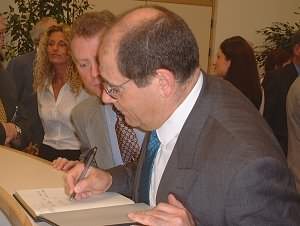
x=21 y=69
x=214 y=160
x=276 y=86
x=293 y=121
x=13 y=121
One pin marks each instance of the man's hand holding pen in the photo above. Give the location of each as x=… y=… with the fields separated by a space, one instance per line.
x=89 y=159
x=83 y=180
x=95 y=182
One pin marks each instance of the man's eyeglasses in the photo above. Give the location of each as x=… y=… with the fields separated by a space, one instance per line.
x=113 y=90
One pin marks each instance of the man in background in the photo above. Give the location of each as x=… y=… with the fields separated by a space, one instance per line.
x=210 y=158
x=293 y=122
x=93 y=121
x=14 y=120
x=276 y=86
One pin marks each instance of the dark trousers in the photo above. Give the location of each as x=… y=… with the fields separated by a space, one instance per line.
x=49 y=153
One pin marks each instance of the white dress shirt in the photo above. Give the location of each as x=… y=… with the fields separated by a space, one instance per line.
x=55 y=116
x=168 y=134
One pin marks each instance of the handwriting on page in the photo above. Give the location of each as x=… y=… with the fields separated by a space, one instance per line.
x=51 y=200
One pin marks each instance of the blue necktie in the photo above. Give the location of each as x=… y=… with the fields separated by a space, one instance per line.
x=145 y=178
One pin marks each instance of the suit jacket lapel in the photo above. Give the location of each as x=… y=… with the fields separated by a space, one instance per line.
x=182 y=161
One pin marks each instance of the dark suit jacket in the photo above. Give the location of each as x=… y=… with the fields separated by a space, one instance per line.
x=21 y=69
x=276 y=86
x=293 y=122
x=9 y=100
x=226 y=166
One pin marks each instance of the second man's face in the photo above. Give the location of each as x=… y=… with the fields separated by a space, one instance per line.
x=84 y=51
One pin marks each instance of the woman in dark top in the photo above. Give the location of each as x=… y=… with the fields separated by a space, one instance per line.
x=13 y=122
x=236 y=63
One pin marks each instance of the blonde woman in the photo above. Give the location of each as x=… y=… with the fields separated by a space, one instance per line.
x=59 y=89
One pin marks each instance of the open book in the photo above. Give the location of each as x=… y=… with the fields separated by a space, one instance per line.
x=54 y=206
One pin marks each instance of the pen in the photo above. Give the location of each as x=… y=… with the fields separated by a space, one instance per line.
x=87 y=163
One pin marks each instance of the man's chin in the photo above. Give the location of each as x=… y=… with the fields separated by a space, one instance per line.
x=131 y=123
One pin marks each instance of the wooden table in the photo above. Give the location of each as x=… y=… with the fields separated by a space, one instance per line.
x=19 y=170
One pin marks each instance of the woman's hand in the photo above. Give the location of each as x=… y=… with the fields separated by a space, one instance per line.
x=63 y=164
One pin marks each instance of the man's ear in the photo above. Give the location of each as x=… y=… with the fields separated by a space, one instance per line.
x=166 y=81
x=296 y=50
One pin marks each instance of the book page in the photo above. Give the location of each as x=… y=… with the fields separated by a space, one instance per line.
x=52 y=200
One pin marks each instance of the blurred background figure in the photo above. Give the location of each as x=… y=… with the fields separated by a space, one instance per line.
x=21 y=70
x=13 y=121
x=276 y=86
x=59 y=89
x=277 y=58
x=293 y=122
x=40 y=28
x=236 y=63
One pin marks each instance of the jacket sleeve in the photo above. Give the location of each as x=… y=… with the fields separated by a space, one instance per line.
x=248 y=200
x=22 y=121
x=123 y=179
x=15 y=114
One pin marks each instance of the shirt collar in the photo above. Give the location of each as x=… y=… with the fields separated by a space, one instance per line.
x=172 y=127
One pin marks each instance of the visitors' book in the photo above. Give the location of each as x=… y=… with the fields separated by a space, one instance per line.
x=52 y=205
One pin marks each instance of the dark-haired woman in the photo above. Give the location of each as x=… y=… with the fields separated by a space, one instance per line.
x=236 y=63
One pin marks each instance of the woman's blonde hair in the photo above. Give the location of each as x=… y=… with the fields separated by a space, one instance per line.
x=43 y=70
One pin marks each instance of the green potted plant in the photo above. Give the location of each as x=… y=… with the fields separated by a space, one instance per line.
x=22 y=17
x=277 y=35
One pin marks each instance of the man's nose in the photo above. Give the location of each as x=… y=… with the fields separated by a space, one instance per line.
x=55 y=47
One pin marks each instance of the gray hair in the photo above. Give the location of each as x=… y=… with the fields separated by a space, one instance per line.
x=40 y=27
